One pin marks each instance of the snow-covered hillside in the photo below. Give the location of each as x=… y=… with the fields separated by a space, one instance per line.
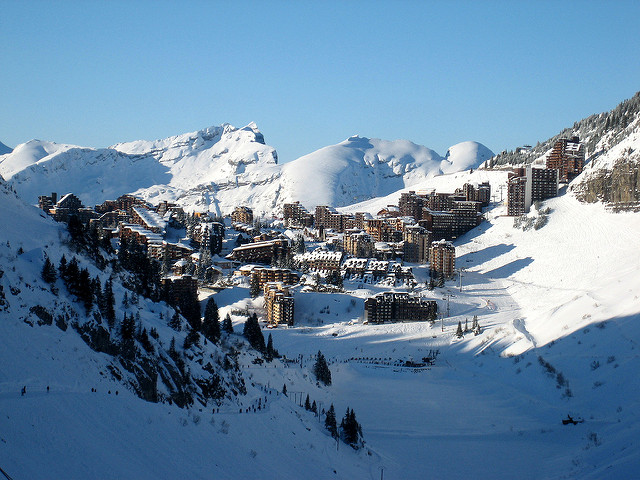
x=81 y=415
x=360 y=168
x=218 y=168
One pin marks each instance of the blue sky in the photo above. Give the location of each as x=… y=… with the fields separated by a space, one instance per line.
x=311 y=74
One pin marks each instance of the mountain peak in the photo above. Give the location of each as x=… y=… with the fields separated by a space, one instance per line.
x=5 y=149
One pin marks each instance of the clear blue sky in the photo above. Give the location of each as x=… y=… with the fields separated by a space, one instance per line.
x=311 y=74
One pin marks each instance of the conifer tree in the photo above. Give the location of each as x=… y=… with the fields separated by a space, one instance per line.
x=192 y=338
x=314 y=407
x=307 y=403
x=284 y=389
x=330 y=422
x=254 y=286
x=83 y=289
x=48 y=273
x=321 y=369
x=351 y=429
x=175 y=321
x=253 y=333
x=128 y=327
x=271 y=352
x=227 y=326
x=62 y=267
x=211 y=321
x=459 y=333
x=173 y=353
x=109 y=303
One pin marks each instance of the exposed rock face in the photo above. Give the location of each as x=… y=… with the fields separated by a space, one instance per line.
x=619 y=185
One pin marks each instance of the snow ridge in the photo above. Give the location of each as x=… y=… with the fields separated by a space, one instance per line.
x=218 y=168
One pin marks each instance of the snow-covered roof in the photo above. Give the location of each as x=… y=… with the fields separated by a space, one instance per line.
x=319 y=255
x=151 y=218
x=151 y=236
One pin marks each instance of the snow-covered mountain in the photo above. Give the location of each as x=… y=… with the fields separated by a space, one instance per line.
x=4 y=149
x=218 y=168
x=360 y=168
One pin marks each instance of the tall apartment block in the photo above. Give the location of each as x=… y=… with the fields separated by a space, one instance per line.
x=567 y=156
x=443 y=258
x=278 y=303
x=528 y=185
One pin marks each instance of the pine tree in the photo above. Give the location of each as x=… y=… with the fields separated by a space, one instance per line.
x=459 y=333
x=72 y=276
x=284 y=389
x=227 y=326
x=109 y=303
x=84 y=290
x=307 y=403
x=254 y=286
x=192 y=338
x=128 y=327
x=321 y=369
x=48 y=273
x=314 y=407
x=253 y=333
x=62 y=267
x=211 y=321
x=299 y=245
x=269 y=352
x=351 y=429
x=330 y=422
x=144 y=340
x=173 y=353
x=476 y=326
x=175 y=321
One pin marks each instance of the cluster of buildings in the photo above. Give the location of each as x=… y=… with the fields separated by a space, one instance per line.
x=529 y=184
x=366 y=248
x=131 y=219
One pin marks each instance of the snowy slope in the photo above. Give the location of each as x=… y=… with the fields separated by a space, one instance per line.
x=70 y=431
x=560 y=312
x=39 y=168
x=357 y=169
x=465 y=156
x=559 y=309
x=218 y=168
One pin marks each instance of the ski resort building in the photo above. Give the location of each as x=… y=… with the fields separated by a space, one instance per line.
x=242 y=215
x=567 y=156
x=278 y=303
x=398 y=307
x=357 y=243
x=528 y=185
x=443 y=259
x=208 y=235
x=260 y=252
x=124 y=203
x=295 y=215
x=416 y=244
x=320 y=260
x=270 y=275
x=148 y=219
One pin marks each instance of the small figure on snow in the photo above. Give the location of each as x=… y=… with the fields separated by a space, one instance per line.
x=24 y=391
